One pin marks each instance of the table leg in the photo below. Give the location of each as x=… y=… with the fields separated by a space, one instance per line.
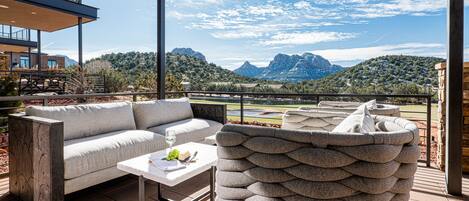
x=141 y=188
x=159 y=195
x=212 y=183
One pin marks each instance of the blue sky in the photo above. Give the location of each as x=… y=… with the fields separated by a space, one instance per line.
x=230 y=32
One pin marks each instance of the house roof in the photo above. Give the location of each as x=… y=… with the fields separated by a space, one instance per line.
x=45 y=15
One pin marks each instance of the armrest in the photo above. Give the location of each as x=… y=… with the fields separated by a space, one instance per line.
x=36 y=158
x=214 y=112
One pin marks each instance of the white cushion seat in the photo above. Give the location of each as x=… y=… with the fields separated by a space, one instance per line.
x=189 y=130
x=86 y=155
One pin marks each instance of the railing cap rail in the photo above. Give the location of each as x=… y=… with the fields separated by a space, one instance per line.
x=72 y=96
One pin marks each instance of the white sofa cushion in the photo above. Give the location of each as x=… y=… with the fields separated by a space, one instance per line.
x=189 y=130
x=359 y=121
x=90 y=154
x=88 y=120
x=154 y=113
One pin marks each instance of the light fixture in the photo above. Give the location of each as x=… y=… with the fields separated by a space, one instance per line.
x=33 y=13
x=3 y=6
x=13 y=21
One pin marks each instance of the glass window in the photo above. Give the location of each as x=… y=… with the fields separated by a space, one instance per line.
x=52 y=63
x=24 y=62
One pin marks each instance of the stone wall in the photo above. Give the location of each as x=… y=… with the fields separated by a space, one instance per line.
x=442 y=116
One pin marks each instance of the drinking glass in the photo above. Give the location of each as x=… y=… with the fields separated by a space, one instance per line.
x=170 y=138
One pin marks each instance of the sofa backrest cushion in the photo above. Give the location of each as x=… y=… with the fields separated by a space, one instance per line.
x=154 y=113
x=88 y=120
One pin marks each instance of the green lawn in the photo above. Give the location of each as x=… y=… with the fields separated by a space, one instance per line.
x=414 y=112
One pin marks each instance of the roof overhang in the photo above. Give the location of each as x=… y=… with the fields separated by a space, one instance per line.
x=45 y=15
x=11 y=45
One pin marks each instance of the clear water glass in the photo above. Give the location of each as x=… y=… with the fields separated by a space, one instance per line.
x=170 y=138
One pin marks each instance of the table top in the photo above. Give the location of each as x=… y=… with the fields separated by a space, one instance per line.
x=140 y=166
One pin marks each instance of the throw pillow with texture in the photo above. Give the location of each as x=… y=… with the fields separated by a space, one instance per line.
x=359 y=121
x=387 y=126
x=371 y=105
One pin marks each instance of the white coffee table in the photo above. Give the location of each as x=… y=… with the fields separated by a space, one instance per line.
x=140 y=166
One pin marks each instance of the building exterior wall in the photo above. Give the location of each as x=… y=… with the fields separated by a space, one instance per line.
x=442 y=117
x=60 y=60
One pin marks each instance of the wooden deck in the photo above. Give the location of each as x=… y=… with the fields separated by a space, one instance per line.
x=428 y=186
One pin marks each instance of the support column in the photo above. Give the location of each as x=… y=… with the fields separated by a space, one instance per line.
x=454 y=94
x=11 y=62
x=29 y=58
x=80 y=42
x=161 y=52
x=39 y=62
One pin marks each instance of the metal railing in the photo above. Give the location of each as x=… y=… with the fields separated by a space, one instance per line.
x=244 y=97
x=7 y=31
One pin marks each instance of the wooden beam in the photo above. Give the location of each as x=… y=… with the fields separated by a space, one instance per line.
x=161 y=52
x=36 y=158
x=454 y=94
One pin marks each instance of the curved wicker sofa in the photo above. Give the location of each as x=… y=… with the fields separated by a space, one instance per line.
x=257 y=163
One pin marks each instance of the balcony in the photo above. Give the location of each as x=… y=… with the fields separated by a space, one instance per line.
x=429 y=182
x=14 y=39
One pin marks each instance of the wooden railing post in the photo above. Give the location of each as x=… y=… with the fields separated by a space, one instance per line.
x=429 y=131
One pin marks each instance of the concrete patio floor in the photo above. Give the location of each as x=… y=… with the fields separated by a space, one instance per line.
x=428 y=186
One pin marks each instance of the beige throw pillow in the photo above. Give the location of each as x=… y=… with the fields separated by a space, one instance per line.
x=359 y=121
x=387 y=126
x=371 y=105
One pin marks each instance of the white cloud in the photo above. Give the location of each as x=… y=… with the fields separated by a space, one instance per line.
x=302 y=5
x=237 y=35
x=180 y=16
x=270 y=10
x=277 y=23
x=364 y=53
x=399 y=7
x=307 y=38
x=194 y=3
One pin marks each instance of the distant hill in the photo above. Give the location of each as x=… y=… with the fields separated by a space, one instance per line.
x=185 y=68
x=189 y=52
x=248 y=70
x=381 y=74
x=294 y=68
x=69 y=61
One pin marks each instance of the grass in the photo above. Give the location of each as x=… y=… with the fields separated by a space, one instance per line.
x=411 y=112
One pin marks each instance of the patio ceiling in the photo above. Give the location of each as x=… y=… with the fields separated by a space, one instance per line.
x=45 y=15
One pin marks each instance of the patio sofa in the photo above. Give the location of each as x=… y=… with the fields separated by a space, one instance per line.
x=62 y=149
x=259 y=163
